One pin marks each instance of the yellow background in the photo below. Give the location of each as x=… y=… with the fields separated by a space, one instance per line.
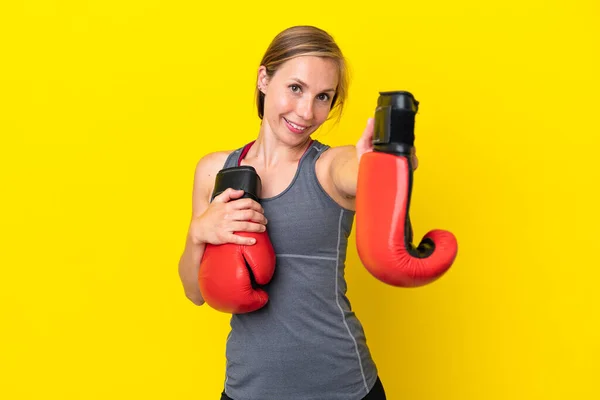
x=106 y=106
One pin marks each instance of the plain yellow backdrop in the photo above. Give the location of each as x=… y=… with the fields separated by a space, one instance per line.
x=106 y=106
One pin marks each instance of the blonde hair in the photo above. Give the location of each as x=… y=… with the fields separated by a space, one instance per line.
x=305 y=40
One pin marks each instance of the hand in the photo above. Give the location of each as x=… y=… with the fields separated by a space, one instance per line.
x=226 y=214
x=365 y=144
x=414 y=159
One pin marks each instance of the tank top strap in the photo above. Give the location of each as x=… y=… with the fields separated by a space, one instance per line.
x=312 y=154
x=232 y=158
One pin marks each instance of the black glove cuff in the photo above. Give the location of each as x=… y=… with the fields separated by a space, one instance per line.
x=239 y=178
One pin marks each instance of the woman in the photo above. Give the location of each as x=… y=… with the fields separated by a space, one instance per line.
x=307 y=343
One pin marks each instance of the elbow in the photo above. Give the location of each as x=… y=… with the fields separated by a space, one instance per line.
x=195 y=298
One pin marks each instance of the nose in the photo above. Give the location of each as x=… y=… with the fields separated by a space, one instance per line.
x=304 y=108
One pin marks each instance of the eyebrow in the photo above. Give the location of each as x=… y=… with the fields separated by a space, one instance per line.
x=304 y=84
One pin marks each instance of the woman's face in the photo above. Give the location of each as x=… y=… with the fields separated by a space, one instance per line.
x=298 y=97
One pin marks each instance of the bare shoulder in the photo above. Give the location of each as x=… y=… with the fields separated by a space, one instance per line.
x=211 y=163
x=204 y=178
x=337 y=154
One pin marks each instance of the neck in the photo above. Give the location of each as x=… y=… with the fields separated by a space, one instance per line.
x=269 y=151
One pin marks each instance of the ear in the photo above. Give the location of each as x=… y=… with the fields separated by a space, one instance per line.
x=263 y=79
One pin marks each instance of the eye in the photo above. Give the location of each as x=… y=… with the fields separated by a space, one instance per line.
x=323 y=97
x=295 y=88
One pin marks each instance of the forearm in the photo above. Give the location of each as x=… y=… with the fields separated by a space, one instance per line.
x=189 y=265
x=345 y=169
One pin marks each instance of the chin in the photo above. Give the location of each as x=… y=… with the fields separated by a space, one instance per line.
x=294 y=140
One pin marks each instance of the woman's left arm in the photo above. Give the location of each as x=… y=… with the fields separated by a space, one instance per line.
x=345 y=161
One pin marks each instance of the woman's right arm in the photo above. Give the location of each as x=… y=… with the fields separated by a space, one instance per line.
x=204 y=175
x=214 y=222
x=188 y=270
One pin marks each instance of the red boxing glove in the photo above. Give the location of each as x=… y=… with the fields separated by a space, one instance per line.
x=230 y=274
x=385 y=178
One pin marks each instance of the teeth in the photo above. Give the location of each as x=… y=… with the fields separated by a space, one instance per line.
x=296 y=126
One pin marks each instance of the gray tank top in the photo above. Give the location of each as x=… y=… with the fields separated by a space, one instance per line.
x=306 y=343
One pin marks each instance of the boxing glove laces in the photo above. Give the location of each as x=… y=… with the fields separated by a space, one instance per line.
x=385 y=180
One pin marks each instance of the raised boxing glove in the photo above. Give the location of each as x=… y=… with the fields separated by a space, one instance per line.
x=385 y=180
x=230 y=274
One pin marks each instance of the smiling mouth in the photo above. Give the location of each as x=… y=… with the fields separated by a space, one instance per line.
x=294 y=127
